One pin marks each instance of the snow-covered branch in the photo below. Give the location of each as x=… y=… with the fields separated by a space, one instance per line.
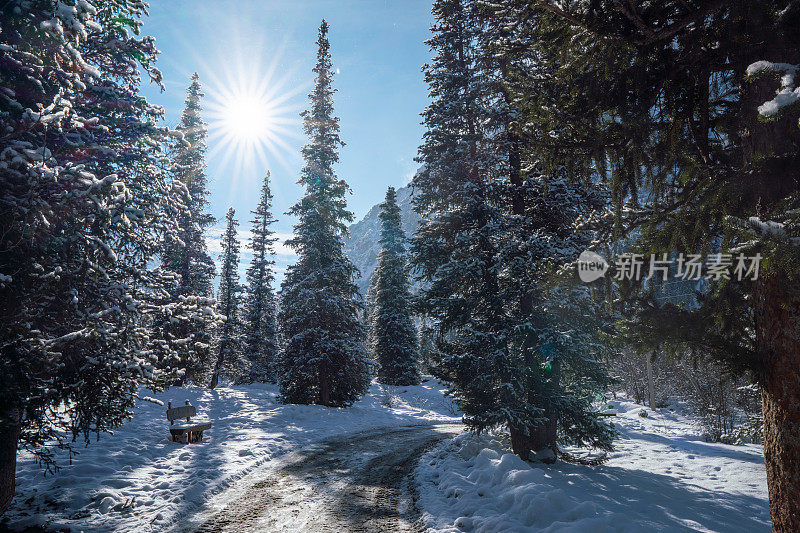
x=787 y=95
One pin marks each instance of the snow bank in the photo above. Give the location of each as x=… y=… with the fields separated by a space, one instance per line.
x=661 y=477
x=137 y=480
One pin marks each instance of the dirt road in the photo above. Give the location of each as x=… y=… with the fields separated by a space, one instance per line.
x=357 y=483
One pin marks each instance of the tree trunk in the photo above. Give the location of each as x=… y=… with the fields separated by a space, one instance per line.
x=544 y=438
x=777 y=298
x=324 y=387
x=217 y=369
x=520 y=443
x=9 y=439
x=650 y=384
x=778 y=343
x=541 y=440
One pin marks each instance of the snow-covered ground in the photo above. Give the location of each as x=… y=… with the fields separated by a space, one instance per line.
x=661 y=477
x=137 y=480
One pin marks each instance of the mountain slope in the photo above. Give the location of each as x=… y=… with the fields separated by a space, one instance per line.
x=362 y=245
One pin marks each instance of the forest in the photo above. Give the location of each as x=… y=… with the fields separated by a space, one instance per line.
x=605 y=222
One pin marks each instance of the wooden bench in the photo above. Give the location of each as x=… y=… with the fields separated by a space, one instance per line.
x=187 y=432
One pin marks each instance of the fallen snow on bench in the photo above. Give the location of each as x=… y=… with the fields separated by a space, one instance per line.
x=661 y=477
x=138 y=481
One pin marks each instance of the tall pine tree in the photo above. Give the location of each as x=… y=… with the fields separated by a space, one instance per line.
x=260 y=329
x=229 y=342
x=323 y=360
x=393 y=335
x=495 y=232
x=456 y=249
x=188 y=322
x=194 y=264
x=544 y=230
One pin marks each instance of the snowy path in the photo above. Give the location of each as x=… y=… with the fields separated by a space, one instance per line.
x=137 y=481
x=359 y=482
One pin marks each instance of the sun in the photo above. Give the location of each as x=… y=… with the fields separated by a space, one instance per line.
x=248 y=118
x=253 y=118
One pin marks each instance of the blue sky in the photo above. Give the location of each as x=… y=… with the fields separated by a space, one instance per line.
x=237 y=45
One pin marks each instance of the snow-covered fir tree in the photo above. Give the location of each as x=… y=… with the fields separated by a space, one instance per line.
x=559 y=328
x=260 y=329
x=229 y=341
x=393 y=336
x=560 y=342
x=323 y=358
x=717 y=150
x=188 y=319
x=194 y=264
x=455 y=250
x=495 y=230
x=82 y=215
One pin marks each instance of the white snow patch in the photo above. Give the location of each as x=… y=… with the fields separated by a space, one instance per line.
x=661 y=477
x=767 y=227
x=788 y=94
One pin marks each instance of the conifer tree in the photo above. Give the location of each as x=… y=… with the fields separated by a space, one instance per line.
x=393 y=335
x=229 y=342
x=495 y=232
x=80 y=223
x=192 y=261
x=260 y=329
x=188 y=321
x=689 y=110
x=456 y=250
x=323 y=360
x=183 y=324
x=544 y=230
x=560 y=344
